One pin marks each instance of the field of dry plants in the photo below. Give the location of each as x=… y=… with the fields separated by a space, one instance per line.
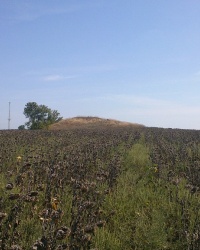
x=106 y=188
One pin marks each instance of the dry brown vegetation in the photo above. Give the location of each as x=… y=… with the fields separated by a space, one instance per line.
x=107 y=188
x=91 y=122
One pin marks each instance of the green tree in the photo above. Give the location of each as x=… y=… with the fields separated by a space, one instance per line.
x=40 y=116
x=21 y=127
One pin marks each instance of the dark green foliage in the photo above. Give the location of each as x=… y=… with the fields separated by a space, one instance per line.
x=21 y=127
x=40 y=116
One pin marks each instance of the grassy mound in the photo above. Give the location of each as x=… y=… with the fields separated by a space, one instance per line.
x=90 y=122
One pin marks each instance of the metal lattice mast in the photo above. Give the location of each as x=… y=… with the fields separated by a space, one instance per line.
x=9 y=117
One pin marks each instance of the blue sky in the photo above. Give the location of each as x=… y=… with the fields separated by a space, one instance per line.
x=135 y=61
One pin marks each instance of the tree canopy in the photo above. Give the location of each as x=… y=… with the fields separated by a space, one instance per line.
x=40 y=116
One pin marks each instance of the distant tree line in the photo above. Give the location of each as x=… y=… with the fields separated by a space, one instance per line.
x=39 y=116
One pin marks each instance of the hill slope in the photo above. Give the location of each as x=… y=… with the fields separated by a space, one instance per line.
x=90 y=122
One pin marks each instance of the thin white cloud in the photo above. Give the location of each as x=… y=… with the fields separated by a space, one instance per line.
x=130 y=100
x=156 y=112
x=142 y=105
x=62 y=73
x=56 y=78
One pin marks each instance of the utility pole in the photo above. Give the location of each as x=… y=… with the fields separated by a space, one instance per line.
x=9 y=117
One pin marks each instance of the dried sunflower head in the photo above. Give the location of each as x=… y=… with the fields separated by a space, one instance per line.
x=2 y=216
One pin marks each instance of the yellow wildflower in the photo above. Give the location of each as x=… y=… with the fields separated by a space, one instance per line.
x=19 y=158
x=54 y=203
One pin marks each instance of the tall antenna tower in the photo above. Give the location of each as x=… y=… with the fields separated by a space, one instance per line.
x=9 y=117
